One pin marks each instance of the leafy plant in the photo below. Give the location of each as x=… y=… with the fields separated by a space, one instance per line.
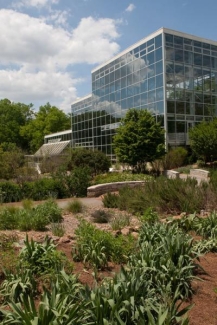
x=110 y=200
x=42 y=258
x=149 y=216
x=16 y=284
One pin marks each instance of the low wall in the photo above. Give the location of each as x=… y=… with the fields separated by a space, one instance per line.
x=171 y=174
x=201 y=173
x=97 y=190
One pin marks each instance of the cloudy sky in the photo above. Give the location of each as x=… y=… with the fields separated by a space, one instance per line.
x=49 y=47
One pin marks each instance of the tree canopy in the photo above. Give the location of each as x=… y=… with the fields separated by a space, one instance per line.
x=203 y=140
x=49 y=119
x=13 y=116
x=139 y=139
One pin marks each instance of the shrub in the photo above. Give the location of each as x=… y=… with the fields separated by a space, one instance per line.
x=42 y=258
x=119 y=177
x=96 y=161
x=96 y=247
x=110 y=200
x=8 y=218
x=120 y=222
x=10 y=192
x=27 y=204
x=149 y=216
x=75 y=207
x=175 y=158
x=101 y=216
x=57 y=229
x=79 y=181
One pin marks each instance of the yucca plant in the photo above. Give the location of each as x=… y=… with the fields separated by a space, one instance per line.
x=16 y=284
x=54 y=309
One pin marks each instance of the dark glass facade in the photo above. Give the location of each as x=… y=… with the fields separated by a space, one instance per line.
x=173 y=75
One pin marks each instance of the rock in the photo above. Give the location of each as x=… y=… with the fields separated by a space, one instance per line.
x=135 y=234
x=64 y=240
x=125 y=231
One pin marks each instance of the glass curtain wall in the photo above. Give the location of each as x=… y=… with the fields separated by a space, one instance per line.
x=82 y=123
x=191 y=85
x=133 y=80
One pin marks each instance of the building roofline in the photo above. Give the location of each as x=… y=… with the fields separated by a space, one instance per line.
x=57 y=133
x=150 y=36
x=81 y=99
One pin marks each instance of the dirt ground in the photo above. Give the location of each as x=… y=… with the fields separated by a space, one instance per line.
x=204 y=300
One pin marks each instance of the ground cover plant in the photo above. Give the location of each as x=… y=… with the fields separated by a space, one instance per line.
x=170 y=196
x=24 y=219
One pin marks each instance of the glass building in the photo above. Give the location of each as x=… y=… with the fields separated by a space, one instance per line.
x=170 y=73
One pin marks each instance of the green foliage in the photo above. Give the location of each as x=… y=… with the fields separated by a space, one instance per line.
x=79 y=181
x=119 y=177
x=13 y=116
x=96 y=247
x=11 y=161
x=110 y=200
x=164 y=195
x=10 y=192
x=96 y=160
x=16 y=284
x=203 y=140
x=149 y=216
x=139 y=139
x=120 y=222
x=48 y=119
x=101 y=216
x=207 y=227
x=175 y=158
x=57 y=229
x=36 y=218
x=42 y=258
x=75 y=206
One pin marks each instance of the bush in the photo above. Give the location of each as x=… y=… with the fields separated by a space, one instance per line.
x=101 y=216
x=120 y=222
x=96 y=161
x=10 y=192
x=175 y=158
x=75 y=207
x=119 y=177
x=110 y=200
x=57 y=229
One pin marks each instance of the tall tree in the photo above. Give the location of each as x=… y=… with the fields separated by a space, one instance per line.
x=12 y=117
x=49 y=119
x=139 y=139
x=203 y=140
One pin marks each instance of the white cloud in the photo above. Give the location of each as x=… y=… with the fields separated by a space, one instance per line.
x=34 y=3
x=35 y=55
x=130 y=8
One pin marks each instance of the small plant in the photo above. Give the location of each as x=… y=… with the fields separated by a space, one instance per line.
x=149 y=216
x=120 y=222
x=75 y=207
x=57 y=229
x=27 y=204
x=42 y=258
x=101 y=216
x=15 y=284
x=110 y=200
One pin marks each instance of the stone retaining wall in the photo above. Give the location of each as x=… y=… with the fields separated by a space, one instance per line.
x=201 y=173
x=171 y=174
x=97 y=190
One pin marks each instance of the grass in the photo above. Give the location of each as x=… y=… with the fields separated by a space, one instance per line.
x=75 y=207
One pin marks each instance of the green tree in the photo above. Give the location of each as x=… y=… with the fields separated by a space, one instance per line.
x=139 y=139
x=13 y=116
x=49 y=119
x=95 y=160
x=203 y=140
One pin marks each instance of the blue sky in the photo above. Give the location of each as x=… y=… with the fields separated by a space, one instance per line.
x=49 y=47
